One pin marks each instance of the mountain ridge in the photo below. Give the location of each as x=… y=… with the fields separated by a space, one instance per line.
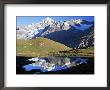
x=68 y=32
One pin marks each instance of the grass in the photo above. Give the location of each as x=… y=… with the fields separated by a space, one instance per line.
x=38 y=47
x=43 y=47
x=87 y=52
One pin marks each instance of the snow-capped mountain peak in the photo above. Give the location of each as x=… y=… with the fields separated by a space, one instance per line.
x=46 y=26
x=48 y=21
x=77 y=21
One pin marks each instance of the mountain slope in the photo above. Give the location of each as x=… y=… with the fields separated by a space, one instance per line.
x=74 y=33
x=38 y=47
x=72 y=37
x=88 y=39
x=47 y=26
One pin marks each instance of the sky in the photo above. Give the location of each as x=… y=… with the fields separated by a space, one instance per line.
x=26 y=20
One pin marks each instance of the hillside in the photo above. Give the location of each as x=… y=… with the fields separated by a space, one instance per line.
x=38 y=47
x=84 y=52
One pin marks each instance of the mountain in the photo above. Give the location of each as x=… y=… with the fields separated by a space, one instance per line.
x=88 y=39
x=76 y=33
x=73 y=37
x=30 y=31
x=38 y=47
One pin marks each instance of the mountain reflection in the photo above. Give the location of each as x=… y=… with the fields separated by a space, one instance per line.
x=54 y=63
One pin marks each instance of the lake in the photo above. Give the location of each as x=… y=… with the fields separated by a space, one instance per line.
x=54 y=65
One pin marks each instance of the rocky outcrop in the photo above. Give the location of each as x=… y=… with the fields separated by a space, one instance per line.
x=87 y=41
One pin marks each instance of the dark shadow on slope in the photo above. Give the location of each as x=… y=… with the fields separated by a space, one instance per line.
x=71 y=37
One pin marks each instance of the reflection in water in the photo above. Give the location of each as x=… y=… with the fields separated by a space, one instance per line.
x=54 y=63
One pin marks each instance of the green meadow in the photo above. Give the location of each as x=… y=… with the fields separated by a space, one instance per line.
x=43 y=47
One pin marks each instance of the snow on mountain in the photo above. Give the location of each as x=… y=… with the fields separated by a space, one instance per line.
x=48 y=21
x=29 y=31
x=39 y=29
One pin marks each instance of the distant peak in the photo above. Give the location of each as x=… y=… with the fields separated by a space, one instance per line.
x=48 y=20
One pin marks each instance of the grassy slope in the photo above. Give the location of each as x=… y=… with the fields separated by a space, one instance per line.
x=87 y=52
x=38 y=47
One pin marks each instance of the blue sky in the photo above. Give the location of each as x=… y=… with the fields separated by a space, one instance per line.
x=26 y=20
